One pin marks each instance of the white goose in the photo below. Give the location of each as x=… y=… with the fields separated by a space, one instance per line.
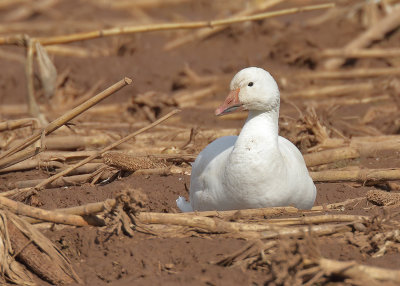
x=256 y=169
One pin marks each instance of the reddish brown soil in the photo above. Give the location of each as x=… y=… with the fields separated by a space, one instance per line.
x=285 y=46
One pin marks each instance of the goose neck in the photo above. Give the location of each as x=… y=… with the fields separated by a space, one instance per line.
x=260 y=128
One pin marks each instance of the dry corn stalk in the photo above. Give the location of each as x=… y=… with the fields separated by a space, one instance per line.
x=71 y=142
x=21 y=39
x=206 y=33
x=18 y=123
x=10 y=270
x=95 y=208
x=329 y=156
x=299 y=262
x=333 y=90
x=359 y=272
x=29 y=191
x=361 y=53
x=32 y=164
x=36 y=251
x=375 y=33
x=358 y=175
x=190 y=98
x=5 y=161
x=353 y=73
x=101 y=174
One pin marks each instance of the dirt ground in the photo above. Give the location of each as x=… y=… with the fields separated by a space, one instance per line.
x=288 y=47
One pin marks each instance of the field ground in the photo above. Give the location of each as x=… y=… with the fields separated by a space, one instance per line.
x=324 y=106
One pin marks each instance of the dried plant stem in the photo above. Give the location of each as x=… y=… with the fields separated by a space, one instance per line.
x=192 y=78
x=164 y=171
x=89 y=209
x=88 y=168
x=25 y=210
x=41 y=26
x=183 y=135
x=33 y=107
x=353 y=73
x=74 y=180
x=319 y=20
x=175 y=157
x=262 y=212
x=65 y=118
x=18 y=123
x=32 y=164
x=52 y=163
x=375 y=33
x=338 y=206
x=110 y=108
x=234 y=214
x=360 y=175
x=159 y=27
x=87 y=95
x=370 y=144
x=182 y=230
x=367 y=145
x=73 y=51
x=13 y=109
x=329 y=156
x=214 y=225
x=18 y=157
x=142 y=4
x=45 y=159
x=210 y=224
x=313 y=265
x=64 y=156
x=335 y=90
x=33 y=257
x=90 y=158
x=105 y=108
x=362 y=53
x=161 y=128
x=189 y=98
x=6 y=3
x=206 y=33
x=23 y=12
x=354 y=101
x=38 y=253
x=317 y=219
x=72 y=142
x=301 y=231
x=94 y=208
x=357 y=271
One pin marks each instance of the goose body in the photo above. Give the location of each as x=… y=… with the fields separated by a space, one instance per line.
x=256 y=169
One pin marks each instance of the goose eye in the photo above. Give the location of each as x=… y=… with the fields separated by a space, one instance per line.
x=250 y=84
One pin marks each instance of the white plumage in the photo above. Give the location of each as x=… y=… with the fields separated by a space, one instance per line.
x=256 y=169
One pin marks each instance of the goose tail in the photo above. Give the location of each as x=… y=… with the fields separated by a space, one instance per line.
x=184 y=205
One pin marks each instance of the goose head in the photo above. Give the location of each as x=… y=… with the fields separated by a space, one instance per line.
x=252 y=89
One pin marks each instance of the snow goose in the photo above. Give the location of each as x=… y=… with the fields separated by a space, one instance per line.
x=256 y=169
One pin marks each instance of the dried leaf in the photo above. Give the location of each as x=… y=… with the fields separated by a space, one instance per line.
x=47 y=71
